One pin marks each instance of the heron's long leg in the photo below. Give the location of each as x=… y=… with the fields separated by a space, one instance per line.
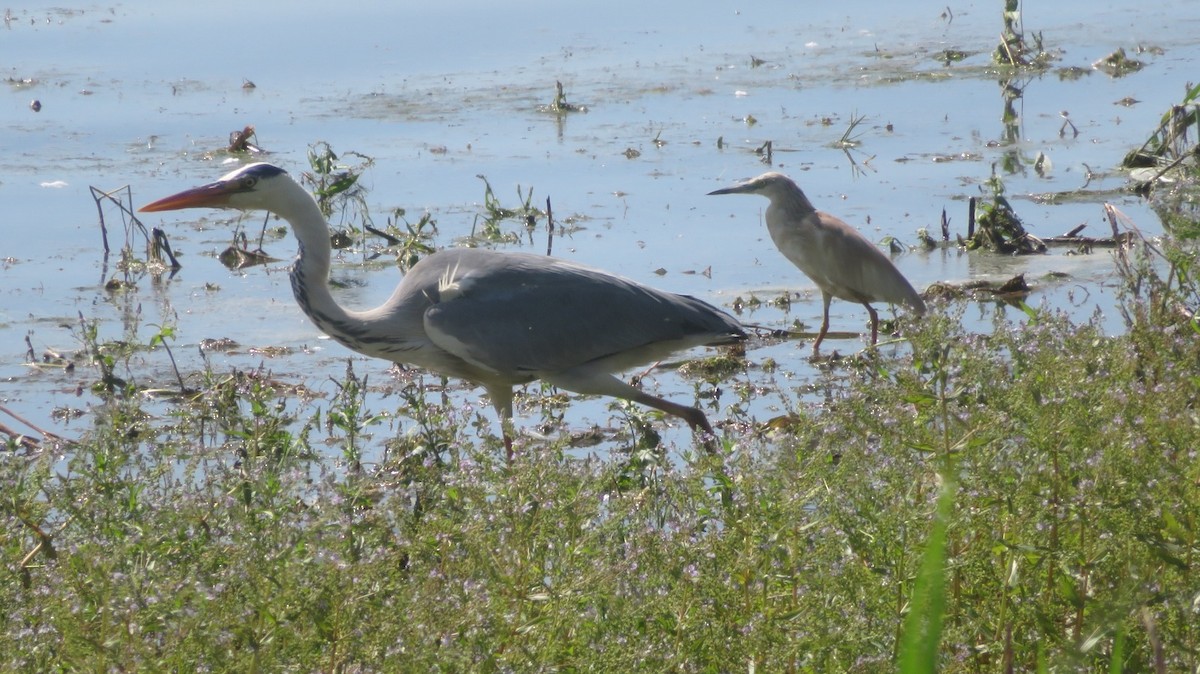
x=598 y=382
x=694 y=417
x=874 y=323
x=502 y=397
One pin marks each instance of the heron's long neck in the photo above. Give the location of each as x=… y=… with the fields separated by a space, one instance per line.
x=310 y=273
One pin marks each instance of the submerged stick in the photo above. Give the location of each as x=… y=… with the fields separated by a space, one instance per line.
x=549 y=228
x=45 y=434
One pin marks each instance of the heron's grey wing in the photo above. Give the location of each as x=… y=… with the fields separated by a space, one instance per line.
x=525 y=314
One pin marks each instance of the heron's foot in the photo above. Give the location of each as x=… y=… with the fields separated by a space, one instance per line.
x=711 y=443
x=818 y=359
x=699 y=425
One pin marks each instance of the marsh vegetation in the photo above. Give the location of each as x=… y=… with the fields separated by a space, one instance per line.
x=1022 y=498
x=1019 y=491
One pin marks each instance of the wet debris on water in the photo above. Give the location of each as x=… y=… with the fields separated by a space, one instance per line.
x=740 y=304
x=222 y=344
x=716 y=368
x=158 y=253
x=1072 y=73
x=999 y=229
x=1117 y=64
x=22 y=440
x=1013 y=286
x=561 y=106
x=1012 y=289
x=948 y=56
x=271 y=351
x=764 y=153
x=1014 y=49
x=239 y=141
x=241 y=257
x=1062 y=130
x=1172 y=150
x=994 y=224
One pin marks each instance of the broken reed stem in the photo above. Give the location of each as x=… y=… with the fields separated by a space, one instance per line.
x=162 y=244
x=46 y=435
x=99 y=196
x=549 y=228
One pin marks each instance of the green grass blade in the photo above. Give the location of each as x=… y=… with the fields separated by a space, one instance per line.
x=923 y=625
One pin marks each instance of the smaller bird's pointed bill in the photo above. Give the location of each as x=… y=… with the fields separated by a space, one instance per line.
x=733 y=189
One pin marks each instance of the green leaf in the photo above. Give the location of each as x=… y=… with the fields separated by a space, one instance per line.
x=343 y=183
x=923 y=624
x=1029 y=311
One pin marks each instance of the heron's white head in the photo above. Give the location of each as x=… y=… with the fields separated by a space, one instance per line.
x=258 y=186
x=769 y=185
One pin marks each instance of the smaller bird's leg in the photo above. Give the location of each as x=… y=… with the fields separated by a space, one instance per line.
x=826 y=298
x=820 y=336
x=874 y=323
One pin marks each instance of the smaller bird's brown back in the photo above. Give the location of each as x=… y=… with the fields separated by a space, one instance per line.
x=836 y=256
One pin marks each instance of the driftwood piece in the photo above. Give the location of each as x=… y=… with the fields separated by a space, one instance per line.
x=1012 y=290
x=1089 y=241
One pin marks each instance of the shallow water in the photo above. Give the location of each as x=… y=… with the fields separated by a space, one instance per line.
x=146 y=97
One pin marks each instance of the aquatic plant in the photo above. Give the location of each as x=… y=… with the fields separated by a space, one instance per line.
x=335 y=184
x=561 y=106
x=998 y=228
x=1170 y=147
x=487 y=223
x=1014 y=49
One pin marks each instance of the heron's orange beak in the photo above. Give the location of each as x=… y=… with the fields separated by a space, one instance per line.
x=212 y=195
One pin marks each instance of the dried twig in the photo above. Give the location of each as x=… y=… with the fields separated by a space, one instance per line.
x=46 y=435
x=549 y=228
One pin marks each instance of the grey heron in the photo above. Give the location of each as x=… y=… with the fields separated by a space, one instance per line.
x=840 y=260
x=497 y=319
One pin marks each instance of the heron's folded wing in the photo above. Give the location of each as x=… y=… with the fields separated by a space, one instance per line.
x=549 y=317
